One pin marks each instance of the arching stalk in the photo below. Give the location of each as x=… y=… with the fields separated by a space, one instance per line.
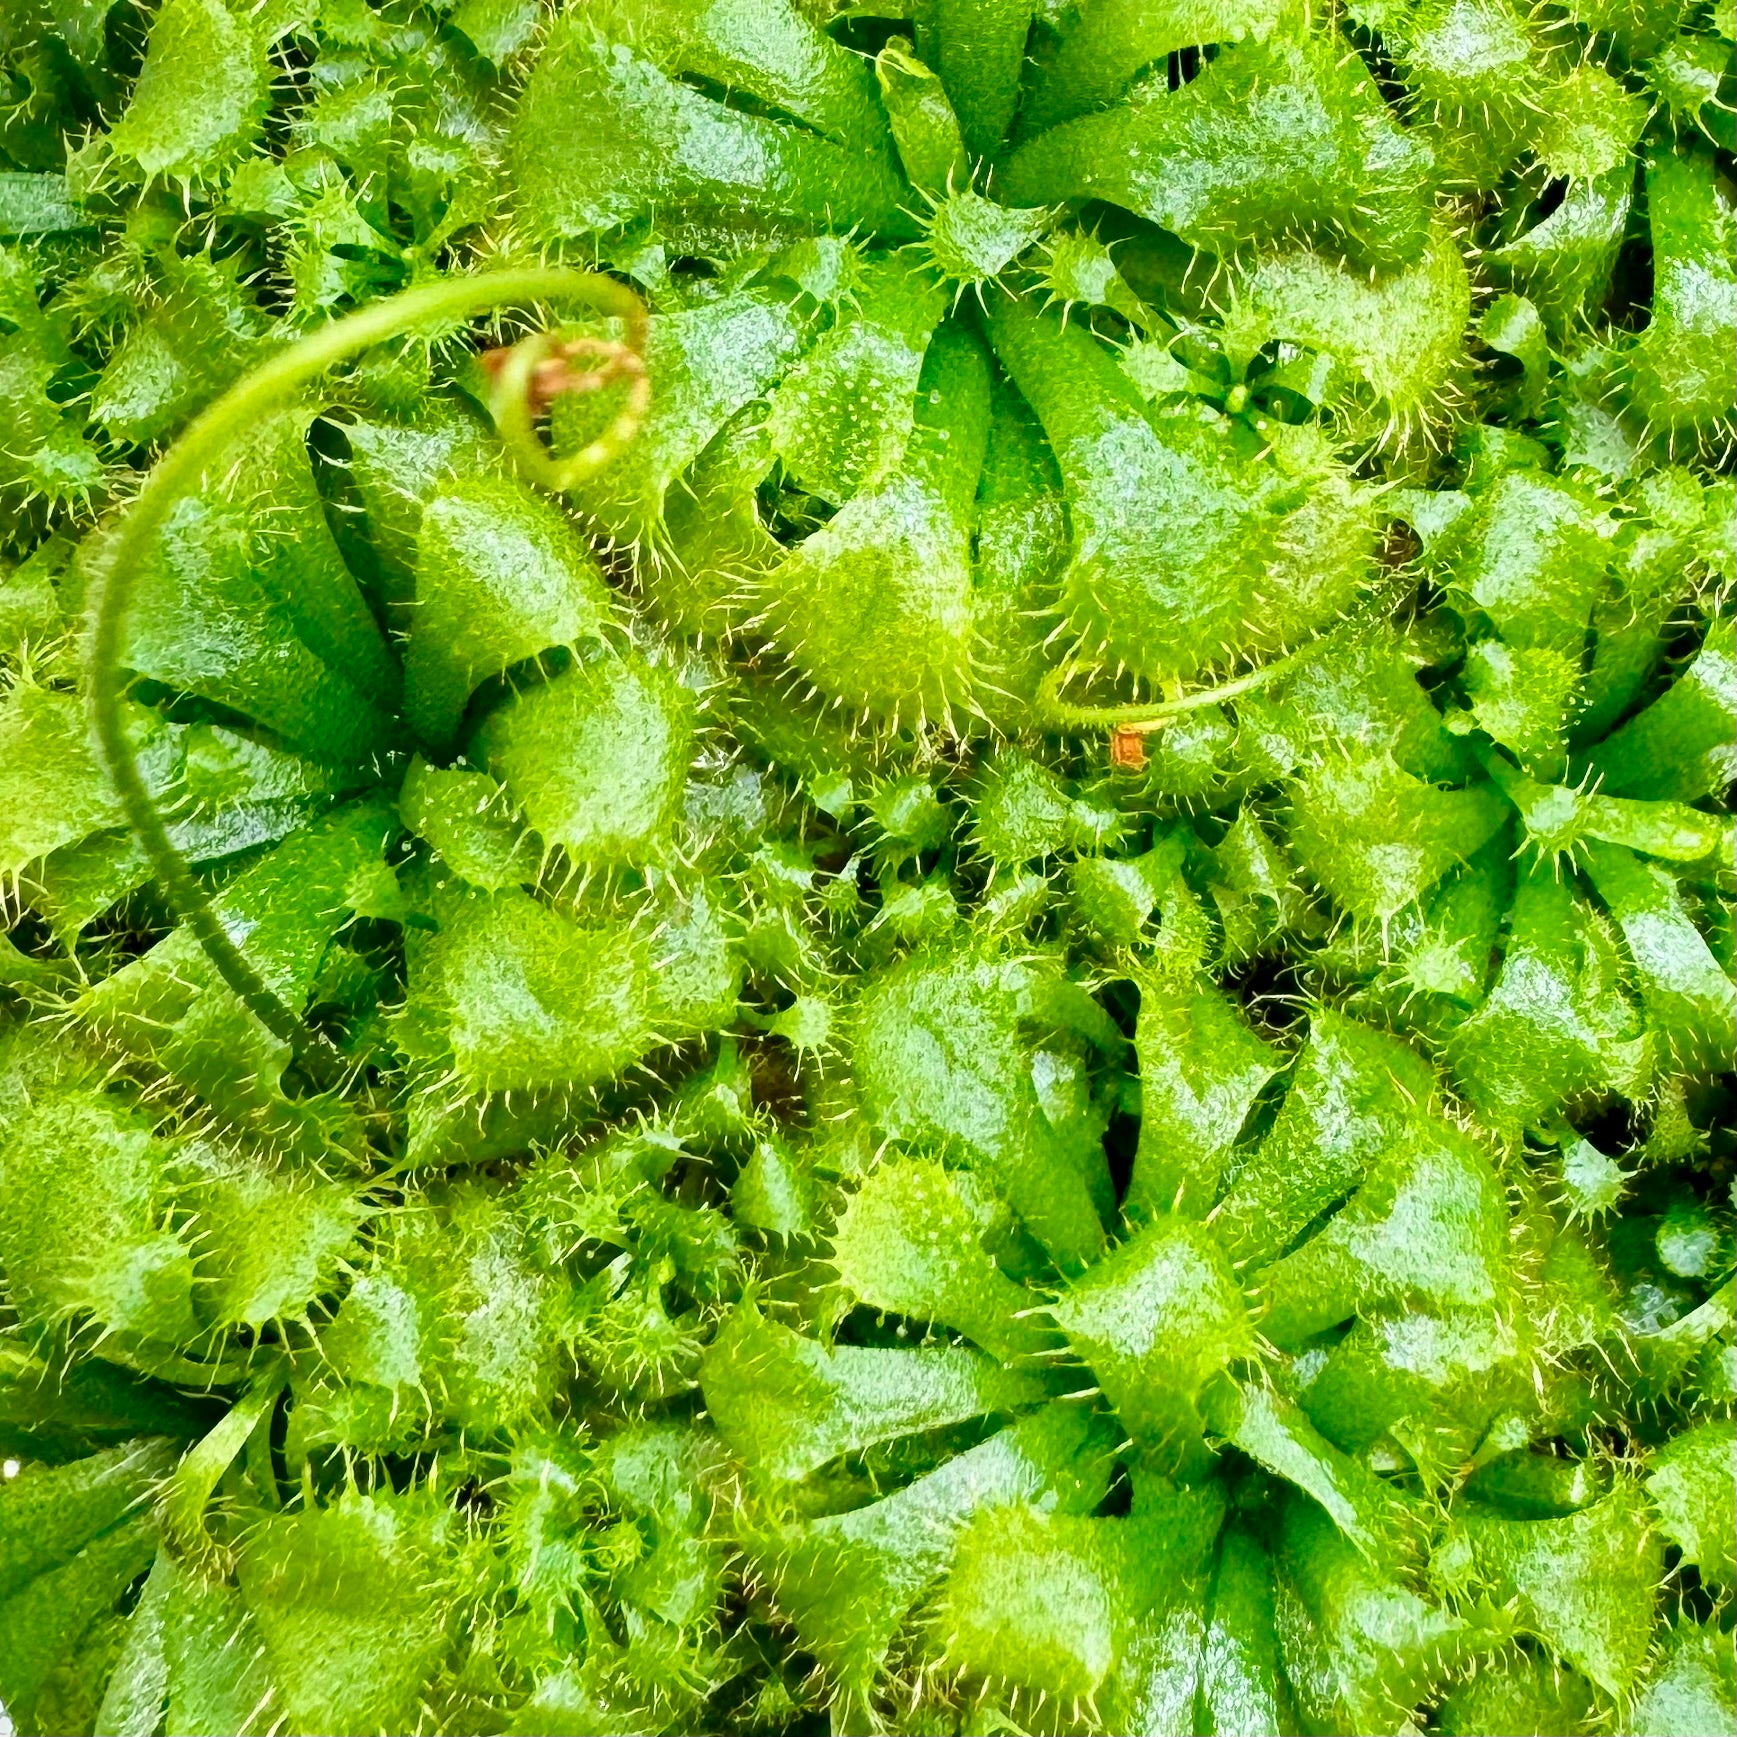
x=185 y=468
x=1143 y=719
x=1130 y=725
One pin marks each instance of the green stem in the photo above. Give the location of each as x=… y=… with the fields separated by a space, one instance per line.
x=183 y=470
x=1061 y=715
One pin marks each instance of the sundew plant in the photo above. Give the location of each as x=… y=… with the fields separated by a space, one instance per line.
x=866 y=868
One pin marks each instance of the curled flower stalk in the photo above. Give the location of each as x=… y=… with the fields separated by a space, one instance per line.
x=519 y=378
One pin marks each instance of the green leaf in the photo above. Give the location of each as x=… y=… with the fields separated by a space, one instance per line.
x=1686 y=74
x=1024 y=812
x=1558 y=1022
x=1590 y=126
x=906 y=1241
x=1673 y=385
x=1634 y=27
x=971 y=240
x=1021 y=546
x=1165 y=1546
x=1691 y=1689
x=848 y=1581
x=56 y=793
x=1532 y=556
x=771 y=48
x=500 y=576
x=1328 y=545
x=875 y=609
x=1585 y=1583
x=1201 y=1069
x=283 y=910
x=1524 y=698
x=1113 y=899
x=713 y=532
x=925 y=128
x=201 y=96
x=1102 y=47
x=1352 y=1100
x=1155 y=1320
x=787 y=1405
x=37 y=205
x=1429 y=1384
x=1428 y=1228
x=949 y=1052
x=397 y=467
x=1660 y=555
x=31 y=611
x=48 y=1514
x=1359 y=1646
x=193 y=1660
x=841 y=418
x=43 y=1627
x=548 y=1514
x=1283 y=135
x=1078 y=269
x=1274 y=1432
x=206 y=617
x=1478 y=68
x=1355 y=688
x=1034 y=1599
x=454 y=1319
x=1242 y=1689
x=1664 y=1358
x=347 y=1599
x=1563 y=263
x=597 y=758
x=299 y=563
x=774 y=1192
x=709 y=361
x=1139 y=591
x=523 y=998
x=1519 y=1693
x=1560 y=821
x=267 y=1246
x=233 y=791
x=697 y=968
x=1690 y=1001
x=980 y=51
x=650 y=143
x=1378 y=839
x=1451 y=954
x=1396 y=338
x=82 y=1193
x=497 y=29
x=467 y=818
x=55 y=1412
x=1690 y=1487
x=1680 y=746
x=136 y=1695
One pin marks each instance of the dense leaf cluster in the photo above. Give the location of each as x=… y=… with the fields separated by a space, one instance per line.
x=1021 y=1028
